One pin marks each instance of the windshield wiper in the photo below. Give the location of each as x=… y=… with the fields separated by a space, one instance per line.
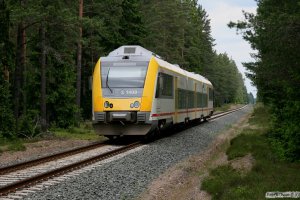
x=107 y=82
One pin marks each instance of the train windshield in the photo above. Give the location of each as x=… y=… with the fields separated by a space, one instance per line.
x=123 y=76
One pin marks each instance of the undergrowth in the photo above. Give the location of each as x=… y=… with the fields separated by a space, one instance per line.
x=12 y=144
x=269 y=173
x=83 y=132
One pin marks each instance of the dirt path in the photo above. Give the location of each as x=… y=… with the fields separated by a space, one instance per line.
x=183 y=181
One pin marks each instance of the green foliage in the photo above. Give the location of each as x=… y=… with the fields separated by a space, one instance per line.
x=269 y=173
x=11 y=144
x=179 y=31
x=6 y=115
x=222 y=108
x=7 y=122
x=184 y=26
x=16 y=145
x=83 y=132
x=221 y=182
x=29 y=126
x=246 y=143
x=132 y=28
x=249 y=141
x=285 y=135
x=261 y=117
x=228 y=82
x=274 y=33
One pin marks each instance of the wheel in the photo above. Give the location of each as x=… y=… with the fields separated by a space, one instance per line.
x=152 y=135
x=186 y=121
x=112 y=137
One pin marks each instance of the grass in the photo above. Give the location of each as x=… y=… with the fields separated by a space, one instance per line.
x=267 y=174
x=224 y=107
x=11 y=145
x=84 y=132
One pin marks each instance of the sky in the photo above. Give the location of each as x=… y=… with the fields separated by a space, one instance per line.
x=221 y=12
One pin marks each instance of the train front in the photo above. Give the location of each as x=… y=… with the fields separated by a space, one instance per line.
x=123 y=88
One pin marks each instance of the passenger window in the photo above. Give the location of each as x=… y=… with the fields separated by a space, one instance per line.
x=211 y=94
x=191 y=99
x=164 y=87
x=181 y=99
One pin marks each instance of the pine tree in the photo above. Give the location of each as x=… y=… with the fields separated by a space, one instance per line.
x=79 y=62
x=274 y=33
x=6 y=113
x=132 y=28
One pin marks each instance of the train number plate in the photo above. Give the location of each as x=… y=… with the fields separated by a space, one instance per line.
x=129 y=92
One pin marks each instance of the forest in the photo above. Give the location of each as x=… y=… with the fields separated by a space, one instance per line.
x=48 y=49
x=274 y=32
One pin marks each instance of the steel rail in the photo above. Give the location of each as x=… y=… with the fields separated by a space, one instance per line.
x=47 y=175
x=71 y=167
x=34 y=162
x=215 y=116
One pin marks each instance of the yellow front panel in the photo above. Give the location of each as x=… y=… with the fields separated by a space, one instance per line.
x=124 y=104
x=97 y=90
x=121 y=104
x=149 y=88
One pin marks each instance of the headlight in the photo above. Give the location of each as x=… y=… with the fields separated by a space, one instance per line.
x=106 y=104
x=136 y=104
x=131 y=105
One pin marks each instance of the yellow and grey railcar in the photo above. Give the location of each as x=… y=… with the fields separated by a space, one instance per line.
x=135 y=92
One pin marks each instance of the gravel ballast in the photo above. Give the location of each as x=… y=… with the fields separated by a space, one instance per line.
x=129 y=176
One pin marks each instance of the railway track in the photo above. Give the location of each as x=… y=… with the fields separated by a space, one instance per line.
x=25 y=175
x=31 y=163
x=221 y=114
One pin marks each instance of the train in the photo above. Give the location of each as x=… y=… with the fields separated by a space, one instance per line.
x=137 y=93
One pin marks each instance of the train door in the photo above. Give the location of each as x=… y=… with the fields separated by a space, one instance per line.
x=182 y=99
x=176 y=99
x=210 y=98
x=195 y=101
x=187 y=99
x=203 y=99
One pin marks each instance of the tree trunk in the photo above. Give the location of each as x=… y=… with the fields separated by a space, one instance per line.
x=79 y=55
x=43 y=78
x=23 y=65
x=19 y=68
x=84 y=79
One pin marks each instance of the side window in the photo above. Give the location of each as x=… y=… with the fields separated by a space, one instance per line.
x=199 y=100
x=211 y=96
x=191 y=99
x=204 y=88
x=205 y=103
x=164 y=87
x=182 y=99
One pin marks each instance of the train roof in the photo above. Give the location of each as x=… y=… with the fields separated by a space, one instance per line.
x=141 y=53
x=179 y=70
x=131 y=50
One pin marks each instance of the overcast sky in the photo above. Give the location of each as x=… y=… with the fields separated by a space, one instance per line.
x=221 y=12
